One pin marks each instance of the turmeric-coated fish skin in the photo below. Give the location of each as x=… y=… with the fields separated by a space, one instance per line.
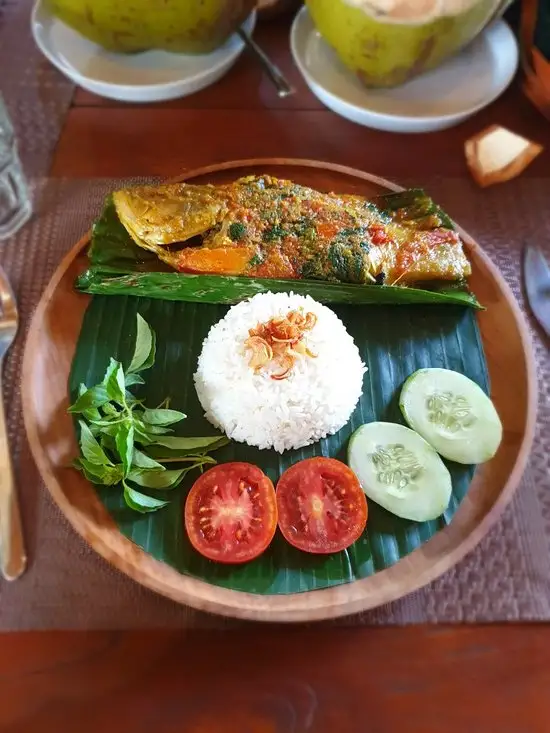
x=156 y=216
x=261 y=226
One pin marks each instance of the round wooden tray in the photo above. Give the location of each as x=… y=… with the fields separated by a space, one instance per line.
x=48 y=356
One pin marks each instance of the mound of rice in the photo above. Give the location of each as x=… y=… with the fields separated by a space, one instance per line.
x=314 y=401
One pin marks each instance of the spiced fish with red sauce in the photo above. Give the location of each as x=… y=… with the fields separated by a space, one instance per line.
x=265 y=227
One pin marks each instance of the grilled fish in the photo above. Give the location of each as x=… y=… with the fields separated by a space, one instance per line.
x=267 y=227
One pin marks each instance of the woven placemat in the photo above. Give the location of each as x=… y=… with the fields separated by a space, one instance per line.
x=67 y=586
x=37 y=95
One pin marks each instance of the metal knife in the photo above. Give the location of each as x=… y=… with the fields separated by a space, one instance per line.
x=536 y=273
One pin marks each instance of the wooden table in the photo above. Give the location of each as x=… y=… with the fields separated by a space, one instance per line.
x=463 y=679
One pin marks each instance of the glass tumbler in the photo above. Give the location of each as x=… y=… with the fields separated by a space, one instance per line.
x=15 y=203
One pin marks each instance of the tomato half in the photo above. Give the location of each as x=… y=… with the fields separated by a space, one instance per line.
x=231 y=513
x=321 y=505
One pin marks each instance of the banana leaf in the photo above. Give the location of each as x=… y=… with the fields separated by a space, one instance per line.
x=393 y=342
x=119 y=267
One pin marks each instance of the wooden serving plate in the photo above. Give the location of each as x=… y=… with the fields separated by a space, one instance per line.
x=48 y=356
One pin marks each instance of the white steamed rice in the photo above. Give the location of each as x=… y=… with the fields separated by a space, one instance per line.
x=316 y=400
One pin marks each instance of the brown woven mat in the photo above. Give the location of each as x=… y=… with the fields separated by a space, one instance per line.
x=507 y=577
x=37 y=95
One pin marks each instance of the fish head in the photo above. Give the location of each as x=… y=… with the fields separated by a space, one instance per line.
x=157 y=216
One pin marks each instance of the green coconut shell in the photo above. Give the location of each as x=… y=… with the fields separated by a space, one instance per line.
x=386 y=53
x=179 y=26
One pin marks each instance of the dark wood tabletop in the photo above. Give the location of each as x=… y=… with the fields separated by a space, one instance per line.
x=459 y=679
x=400 y=680
x=242 y=117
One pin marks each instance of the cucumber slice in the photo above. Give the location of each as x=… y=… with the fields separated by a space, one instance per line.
x=453 y=414
x=400 y=471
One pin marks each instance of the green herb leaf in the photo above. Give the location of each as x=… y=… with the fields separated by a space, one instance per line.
x=108 y=421
x=117 y=421
x=94 y=397
x=109 y=410
x=91 y=450
x=92 y=471
x=106 y=475
x=105 y=427
x=114 y=382
x=196 y=445
x=125 y=445
x=132 y=379
x=108 y=442
x=236 y=231
x=93 y=413
x=163 y=455
x=147 y=429
x=273 y=233
x=141 y=435
x=132 y=401
x=144 y=351
x=113 y=475
x=157 y=479
x=141 y=502
x=142 y=460
x=162 y=416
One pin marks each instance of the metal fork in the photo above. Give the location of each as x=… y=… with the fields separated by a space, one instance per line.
x=13 y=558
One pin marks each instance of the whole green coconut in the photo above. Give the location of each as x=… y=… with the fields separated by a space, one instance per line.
x=180 y=26
x=388 y=42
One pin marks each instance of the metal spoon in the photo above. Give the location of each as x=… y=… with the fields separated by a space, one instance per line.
x=275 y=74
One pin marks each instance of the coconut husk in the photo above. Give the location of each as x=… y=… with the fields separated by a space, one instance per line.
x=535 y=53
x=496 y=155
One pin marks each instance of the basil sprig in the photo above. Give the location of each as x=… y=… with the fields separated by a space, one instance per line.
x=123 y=442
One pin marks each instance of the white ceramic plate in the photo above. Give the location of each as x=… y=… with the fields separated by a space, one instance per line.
x=436 y=100
x=152 y=76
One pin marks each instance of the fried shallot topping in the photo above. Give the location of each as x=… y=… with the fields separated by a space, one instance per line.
x=278 y=343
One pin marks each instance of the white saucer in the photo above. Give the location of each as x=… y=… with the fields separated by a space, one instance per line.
x=436 y=100
x=152 y=76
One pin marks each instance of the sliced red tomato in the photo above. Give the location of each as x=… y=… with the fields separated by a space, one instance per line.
x=231 y=513
x=321 y=505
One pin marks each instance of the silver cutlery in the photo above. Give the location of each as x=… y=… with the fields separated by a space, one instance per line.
x=275 y=74
x=13 y=559
x=536 y=273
